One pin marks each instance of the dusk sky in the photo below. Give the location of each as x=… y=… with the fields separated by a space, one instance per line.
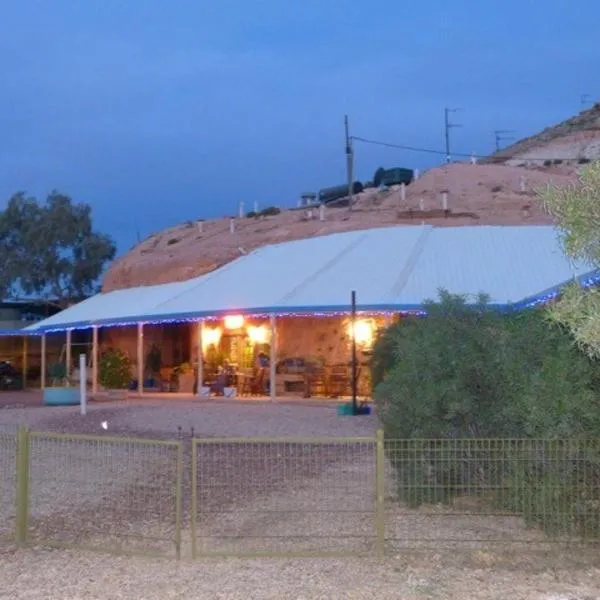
x=157 y=112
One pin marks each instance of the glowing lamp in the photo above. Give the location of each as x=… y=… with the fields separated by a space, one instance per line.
x=210 y=337
x=258 y=335
x=234 y=322
x=363 y=332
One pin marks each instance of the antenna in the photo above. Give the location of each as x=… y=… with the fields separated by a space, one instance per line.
x=585 y=100
x=349 y=161
x=447 y=127
x=503 y=135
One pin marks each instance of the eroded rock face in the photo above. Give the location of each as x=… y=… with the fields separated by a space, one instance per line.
x=476 y=195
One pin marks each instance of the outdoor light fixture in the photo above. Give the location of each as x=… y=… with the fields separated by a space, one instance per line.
x=210 y=337
x=258 y=334
x=234 y=322
x=363 y=332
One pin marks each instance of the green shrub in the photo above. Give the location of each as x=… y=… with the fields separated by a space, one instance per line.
x=269 y=211
x=470 y=373
x=252 y=215
x=114 y=371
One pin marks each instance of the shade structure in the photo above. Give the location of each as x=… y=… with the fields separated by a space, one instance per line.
x=393 y=269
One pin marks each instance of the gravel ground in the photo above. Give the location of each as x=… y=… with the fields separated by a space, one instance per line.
x=281 y=497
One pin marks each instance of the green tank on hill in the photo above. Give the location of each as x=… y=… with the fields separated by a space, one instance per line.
x=339 y=191
x=397 y=176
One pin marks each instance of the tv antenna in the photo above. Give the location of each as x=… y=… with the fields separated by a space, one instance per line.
x=448 y=125
x=503 y=135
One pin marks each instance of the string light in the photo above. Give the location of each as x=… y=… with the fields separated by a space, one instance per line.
x=534 y=301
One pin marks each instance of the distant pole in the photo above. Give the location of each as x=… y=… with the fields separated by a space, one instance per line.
x=349 y=162
x=82 y=384
x=354 y=359
x=447 y=127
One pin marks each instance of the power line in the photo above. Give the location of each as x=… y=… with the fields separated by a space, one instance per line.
x=443 y=153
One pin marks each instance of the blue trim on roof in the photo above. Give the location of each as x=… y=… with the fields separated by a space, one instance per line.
x=19 y=333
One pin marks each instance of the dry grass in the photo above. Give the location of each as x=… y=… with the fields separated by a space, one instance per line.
x=294 y=498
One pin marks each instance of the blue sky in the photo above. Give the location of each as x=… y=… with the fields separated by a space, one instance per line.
x=156 y=112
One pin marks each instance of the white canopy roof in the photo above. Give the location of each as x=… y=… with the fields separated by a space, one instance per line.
x=391 y=269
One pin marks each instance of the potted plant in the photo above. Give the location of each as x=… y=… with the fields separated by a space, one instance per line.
x=185 y=378
x=60 y=392
x=114 y=372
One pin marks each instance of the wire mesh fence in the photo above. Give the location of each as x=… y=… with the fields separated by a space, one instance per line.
x=8 y=457
x=283 y=497
x=492 y=491
x=112 y=494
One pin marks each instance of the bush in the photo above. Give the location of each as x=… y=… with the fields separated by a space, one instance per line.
x=114 y=370
x=468 y=372
x=269 y=211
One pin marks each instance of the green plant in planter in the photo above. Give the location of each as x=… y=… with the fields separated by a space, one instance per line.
x=114 y=370
x=58 y=374
x=184 y=369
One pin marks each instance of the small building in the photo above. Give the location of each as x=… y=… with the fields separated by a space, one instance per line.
x=288 y=305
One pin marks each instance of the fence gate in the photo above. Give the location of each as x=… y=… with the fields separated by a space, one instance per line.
x=284 y=497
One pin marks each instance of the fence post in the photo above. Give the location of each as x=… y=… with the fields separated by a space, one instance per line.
x=380 y=495
x=194 y=507
x=178 y=500
x=22 y=496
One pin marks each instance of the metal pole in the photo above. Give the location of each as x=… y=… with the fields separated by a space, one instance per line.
x=354 y=360
x=95 y=359
x=140 y=358
x=68 y=357
x=200 y=358
x=273 y=360
x=82 y=384
x=43 y=363
x=349 y=163
x=447 y=130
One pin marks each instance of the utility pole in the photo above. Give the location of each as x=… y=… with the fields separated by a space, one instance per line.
x=501 y=135
x=349 y=162
x=447 y=127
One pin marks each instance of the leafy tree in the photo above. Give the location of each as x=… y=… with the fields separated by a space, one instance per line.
x=378 y=176
x=51 y=250
x=577 y=213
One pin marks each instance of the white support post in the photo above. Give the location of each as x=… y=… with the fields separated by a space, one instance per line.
x=95 y=359
x=82 y=384
x=403 y=192
x=43 y=363
x=232 y=226
x=68 y=361
x=273 y=361
x=322 y=212
x=200 y=359
x=140 y=358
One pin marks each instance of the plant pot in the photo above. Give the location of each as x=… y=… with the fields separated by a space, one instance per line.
x=230 y=392
x=61 y=396
x=185 y=383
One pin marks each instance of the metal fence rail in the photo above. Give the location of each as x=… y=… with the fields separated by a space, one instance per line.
x=283 y=497
x=8 y=457
x=113 y=494
x=492 y=491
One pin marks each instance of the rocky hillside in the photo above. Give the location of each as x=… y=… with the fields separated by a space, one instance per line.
x=571 y=142
x=476 y=194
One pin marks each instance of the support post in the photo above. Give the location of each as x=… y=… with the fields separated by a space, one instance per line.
x=68 y=365
x=43 y=363
x=200 y=359
x=140 y=358
x=273 y=360
x=82 y=384
x=24 y=382
x=95 y=359
x=22 y=497
x=354 y=359
x=380 y=495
